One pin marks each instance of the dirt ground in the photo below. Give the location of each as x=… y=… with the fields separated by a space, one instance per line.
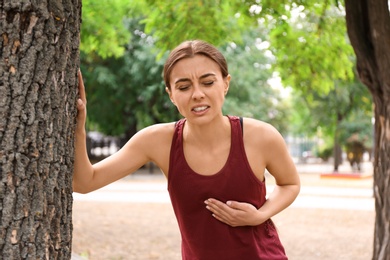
x=140 y=231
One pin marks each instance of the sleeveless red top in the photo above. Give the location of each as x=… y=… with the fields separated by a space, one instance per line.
x=203 y=236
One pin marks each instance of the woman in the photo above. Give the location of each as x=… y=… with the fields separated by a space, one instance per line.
x=214 y=164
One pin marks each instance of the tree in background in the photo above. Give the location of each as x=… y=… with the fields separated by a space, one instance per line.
x=342 y=103
x=250 y=93
x=368 y=25
x=39 y=57
x=103 y=32
x=172 y=22
x=314 y=57
x=127 y=93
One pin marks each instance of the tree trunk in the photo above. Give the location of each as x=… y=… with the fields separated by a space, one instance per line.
x=368 y=23
x=39 y=59
x=337 y=151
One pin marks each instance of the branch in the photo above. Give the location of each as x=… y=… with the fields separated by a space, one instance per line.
x=358 y=28
x=379 y=19
x=368 y=24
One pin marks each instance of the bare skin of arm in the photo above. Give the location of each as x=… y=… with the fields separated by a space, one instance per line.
x=150 y=144
x=265 y=149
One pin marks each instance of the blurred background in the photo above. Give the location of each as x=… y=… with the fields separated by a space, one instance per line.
x=292 y=66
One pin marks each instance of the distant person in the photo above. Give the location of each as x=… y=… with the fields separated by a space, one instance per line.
x=214 y=164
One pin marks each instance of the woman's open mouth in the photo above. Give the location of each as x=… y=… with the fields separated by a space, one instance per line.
x=200 y=109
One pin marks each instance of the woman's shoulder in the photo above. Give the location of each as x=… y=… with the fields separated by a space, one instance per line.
x=257 y=130
x=152 y=139
x=161 y=130
x=256 y=125
x=156 y=142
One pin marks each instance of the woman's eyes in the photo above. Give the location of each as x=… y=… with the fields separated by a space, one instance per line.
x=205 y=83
x=208 y=83
x=184 y=87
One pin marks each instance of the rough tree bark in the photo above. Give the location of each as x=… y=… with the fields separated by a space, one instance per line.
x=368 y=23
x=39 y=59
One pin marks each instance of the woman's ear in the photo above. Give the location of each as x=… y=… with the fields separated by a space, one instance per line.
x=169 y=94
x=227 y=82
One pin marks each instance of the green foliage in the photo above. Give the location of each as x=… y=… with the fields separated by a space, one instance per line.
x=172 y=22
x=358 y=128
x=102 y=31
x=345 y=110
x=126 y=94
x=311 y=47
x=308 y=40
x=325 y=152
x=250 y=94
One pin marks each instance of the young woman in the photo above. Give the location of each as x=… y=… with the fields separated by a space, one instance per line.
x=214 y=164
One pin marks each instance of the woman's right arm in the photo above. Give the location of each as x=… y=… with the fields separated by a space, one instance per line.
x=88 y=177
x=83 y=169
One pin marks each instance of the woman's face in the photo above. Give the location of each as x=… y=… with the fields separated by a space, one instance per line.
x=197 y=88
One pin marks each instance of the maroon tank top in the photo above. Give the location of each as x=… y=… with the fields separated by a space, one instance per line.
x=203 y=236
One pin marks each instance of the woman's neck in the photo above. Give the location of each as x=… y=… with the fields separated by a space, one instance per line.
x=211 y=134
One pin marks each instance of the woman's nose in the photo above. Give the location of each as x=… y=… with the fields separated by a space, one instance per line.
x=198 y=92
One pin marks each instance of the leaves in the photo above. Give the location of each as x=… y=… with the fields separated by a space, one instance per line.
x=312 y=51
x=307 y=46
x=250 y=94
x=172 y=22
x=102 y=30
x=126 y=94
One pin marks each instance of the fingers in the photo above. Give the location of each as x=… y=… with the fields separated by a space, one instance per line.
x=221 y=211
x=228 y=206
x=81 y=88
x=81 y=103
x=234 y=213
x=216 y=206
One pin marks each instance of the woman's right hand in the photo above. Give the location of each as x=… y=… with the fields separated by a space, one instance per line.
x=81 y=104
x=83 y=171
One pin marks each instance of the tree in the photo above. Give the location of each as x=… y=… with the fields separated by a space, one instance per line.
x=250 y=94
x=368 y=24
x=39 y=52
x=343 y=102
x=172 y=22
x=134 y=84
x=313 y=57
x=103 y=32
x=127 y=93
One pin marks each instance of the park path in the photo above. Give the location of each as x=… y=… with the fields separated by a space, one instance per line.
x=332 y=218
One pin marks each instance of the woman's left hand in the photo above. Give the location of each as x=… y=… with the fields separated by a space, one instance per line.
x=235 y=213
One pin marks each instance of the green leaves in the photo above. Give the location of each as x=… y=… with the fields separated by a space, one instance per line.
x=311 y=48
x=127 y=93
x=102 y=30
x=250 y=94
x=308 y=48
x=172 y=22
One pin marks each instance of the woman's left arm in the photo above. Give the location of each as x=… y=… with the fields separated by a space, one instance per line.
x=279 y=163
x=281 y=166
